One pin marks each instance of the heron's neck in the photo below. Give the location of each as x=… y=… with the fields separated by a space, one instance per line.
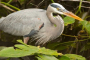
x=58 y=21
x=52 y=19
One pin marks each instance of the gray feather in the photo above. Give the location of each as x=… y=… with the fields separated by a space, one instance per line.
x=22 y=22
x=29 y=22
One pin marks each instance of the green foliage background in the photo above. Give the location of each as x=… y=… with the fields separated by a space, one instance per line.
x=74 y=40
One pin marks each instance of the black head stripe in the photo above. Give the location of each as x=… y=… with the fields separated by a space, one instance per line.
x=55 y=6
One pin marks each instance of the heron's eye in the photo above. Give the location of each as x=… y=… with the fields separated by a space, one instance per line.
x=61 y=10
x=57 y=8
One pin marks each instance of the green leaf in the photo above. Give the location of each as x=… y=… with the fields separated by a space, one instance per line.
x=74 y=57
x=22 y=1
x=47 y=57
x=42 y=50
x=85 y=47
x=11 y=52
x=84 y=22
x=68 y=20
x=47 y=51
x=64 y=58
x=24 y=50
x=39 y=58
x=20 y=41
x=29 y=48
x=2 y=47
x=86 y=25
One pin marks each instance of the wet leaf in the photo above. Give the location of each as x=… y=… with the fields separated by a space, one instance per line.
x=64 y=58
x=2 y=47
x=86 y=25
x=68 y=20
x=11 y=52
x=46 y=57
x=24 y=50
x=47 y=51
x=74 y=57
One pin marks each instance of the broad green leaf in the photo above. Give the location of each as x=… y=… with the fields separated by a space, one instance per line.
x=29 y=48
x=74 y=57
x=11 y=52
x=68 y=20
x=86 y=25
x=47 y=51
x=20 y=41
x=47 y=57
x=24 y=50
x=39 y=58
x=42 y=50
x=2 y=47
x=64 y=58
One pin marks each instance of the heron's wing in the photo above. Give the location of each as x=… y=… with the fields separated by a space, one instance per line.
x=21 y=23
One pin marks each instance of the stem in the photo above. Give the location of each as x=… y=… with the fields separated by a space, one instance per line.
x=75 y=41
x=52 y=1
x=9 y=1
x=10 y=6
x=79 y=8
x=75 y=36
x=7 y=7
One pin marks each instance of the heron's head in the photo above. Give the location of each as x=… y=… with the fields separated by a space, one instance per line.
x=58 y=8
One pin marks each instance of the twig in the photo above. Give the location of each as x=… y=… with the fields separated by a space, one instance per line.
x=74 y=36
x=10 y=5
x=7 y=7
x=9 y=1
x=85 y=7
x=69 y=35
x=79 y=8
x=52 y=1
x=75 y=41
x=79 y=1
x=33 y=4
x=29 y=2
x=40 y=3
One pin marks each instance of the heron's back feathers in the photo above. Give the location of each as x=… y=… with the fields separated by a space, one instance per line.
x=21 y=23
x=1 y=19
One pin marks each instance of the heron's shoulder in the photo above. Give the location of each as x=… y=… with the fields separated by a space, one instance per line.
x=36 y=9
x=29 y=11
x=32 y=10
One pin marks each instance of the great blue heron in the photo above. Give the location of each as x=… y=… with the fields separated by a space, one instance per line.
x=37 y=23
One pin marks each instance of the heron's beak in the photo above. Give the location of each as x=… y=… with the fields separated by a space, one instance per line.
x=72 y=15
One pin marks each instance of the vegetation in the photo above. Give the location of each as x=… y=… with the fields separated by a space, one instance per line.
x=73 y=44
